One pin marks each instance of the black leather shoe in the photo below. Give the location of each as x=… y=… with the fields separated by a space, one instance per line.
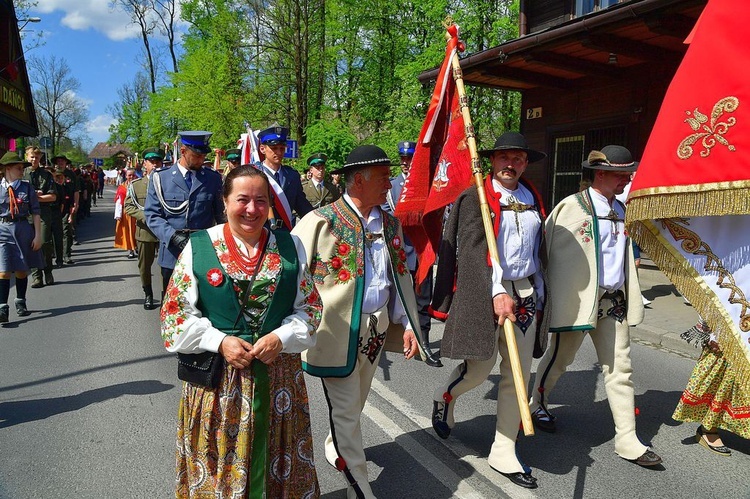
x=439 y=419
x=4 y=313
x=433 y=358
x=524 y=480
x=649 y=458
x=148 y=303
x=543 y=420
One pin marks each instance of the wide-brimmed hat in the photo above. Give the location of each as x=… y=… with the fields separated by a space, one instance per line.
x=611 y=158
x=12 y=158
x=514 y=141
x=60 y=156
x=196 y=140
x=364 y=156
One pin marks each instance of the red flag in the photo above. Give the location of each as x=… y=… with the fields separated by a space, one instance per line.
x=440 y=169
x=689 y=206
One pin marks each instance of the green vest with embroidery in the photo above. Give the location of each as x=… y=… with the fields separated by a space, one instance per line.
x=221 y=305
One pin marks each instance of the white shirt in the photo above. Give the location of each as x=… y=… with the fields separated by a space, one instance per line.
x=612 y=240
x=518 y=242
x=378 y=288
x=196 y=334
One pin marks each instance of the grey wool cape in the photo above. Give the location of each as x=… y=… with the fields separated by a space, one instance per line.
x=463 y=286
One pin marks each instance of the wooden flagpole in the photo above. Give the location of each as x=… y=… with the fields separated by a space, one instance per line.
x=489 y=232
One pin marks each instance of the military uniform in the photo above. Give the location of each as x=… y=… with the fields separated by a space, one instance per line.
x=146 y=241
x=41 y=180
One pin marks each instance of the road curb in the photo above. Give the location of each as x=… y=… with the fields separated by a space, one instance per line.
x=661 y=338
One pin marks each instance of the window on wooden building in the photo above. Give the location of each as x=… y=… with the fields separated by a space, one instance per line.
x=566 y=166
x=583 y=7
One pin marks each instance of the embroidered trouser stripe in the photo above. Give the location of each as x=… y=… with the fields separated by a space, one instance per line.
x=539 y=383
x=612 y=343
x=340 y=464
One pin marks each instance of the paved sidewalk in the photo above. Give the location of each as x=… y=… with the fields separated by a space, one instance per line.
x=667 y=316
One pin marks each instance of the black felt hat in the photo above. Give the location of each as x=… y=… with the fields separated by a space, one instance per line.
x=514 y=141
x=611 y=158
x=364 y=156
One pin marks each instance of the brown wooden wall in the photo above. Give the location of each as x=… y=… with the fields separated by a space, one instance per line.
x=593 y=104
x=541 y=14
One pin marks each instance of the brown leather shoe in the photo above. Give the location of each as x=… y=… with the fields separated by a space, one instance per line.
x=649 y=458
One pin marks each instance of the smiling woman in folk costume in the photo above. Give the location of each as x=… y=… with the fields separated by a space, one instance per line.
x=125 y=224
x=245 y=292
x=19 y=241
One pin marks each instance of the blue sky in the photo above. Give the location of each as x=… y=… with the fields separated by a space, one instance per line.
x=100 y=46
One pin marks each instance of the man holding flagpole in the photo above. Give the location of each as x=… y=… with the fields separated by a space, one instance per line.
x=475 y=296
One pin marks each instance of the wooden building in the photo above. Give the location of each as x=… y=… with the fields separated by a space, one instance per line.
x=17 y=116
x=590 y=72
x=114 y=156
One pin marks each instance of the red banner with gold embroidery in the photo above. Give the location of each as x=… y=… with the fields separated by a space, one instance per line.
x=689 y=205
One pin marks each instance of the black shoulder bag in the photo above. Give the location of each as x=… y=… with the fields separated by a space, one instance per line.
x=205 y=368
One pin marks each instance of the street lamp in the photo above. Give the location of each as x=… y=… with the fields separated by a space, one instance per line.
x=28 y=20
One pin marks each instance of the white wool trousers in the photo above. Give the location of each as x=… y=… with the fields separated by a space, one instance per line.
x=612 y=343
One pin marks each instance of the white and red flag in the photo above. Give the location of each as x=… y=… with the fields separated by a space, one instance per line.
x=440 y=169
x=689 y=205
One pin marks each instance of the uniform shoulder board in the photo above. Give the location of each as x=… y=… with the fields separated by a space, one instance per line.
x=211 y=170
x=163 y=168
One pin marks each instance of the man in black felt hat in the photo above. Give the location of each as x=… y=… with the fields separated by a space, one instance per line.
x=355 y=251
x=594 y=291
x=476 y=297
x=273 y=146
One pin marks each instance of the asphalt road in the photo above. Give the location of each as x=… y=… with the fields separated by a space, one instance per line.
x=88 y=404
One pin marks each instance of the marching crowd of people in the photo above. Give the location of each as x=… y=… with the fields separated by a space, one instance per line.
x=251 y=299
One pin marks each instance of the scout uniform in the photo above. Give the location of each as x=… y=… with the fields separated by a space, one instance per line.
x=41 y=180
x=146 y=241
x=594 y=290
